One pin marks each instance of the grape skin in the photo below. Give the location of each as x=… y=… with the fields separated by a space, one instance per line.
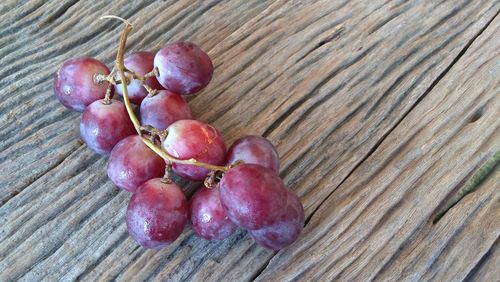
x=188 y=139
x=131 y=163
x=286 y=230
x=183 y=68
x=253 y=149
x=252 y=195
x=157 y=214
x=208 y=218
x=140 y=63
x=74 y=84
x=163 y=109
x=102 y=126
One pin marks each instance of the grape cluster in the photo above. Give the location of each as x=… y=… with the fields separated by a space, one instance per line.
x=241 y=187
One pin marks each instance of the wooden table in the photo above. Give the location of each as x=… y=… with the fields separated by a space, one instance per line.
x=385 y=115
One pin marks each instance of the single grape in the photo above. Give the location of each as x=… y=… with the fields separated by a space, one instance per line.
x=286 y=229
x=183 y=68
x=140 y=63
x=208 y=218
x=188 y=139
x=164 y=108
x=254 y=149
x=74 y=83
x=156 y=214
x=252 y=195
x=132 y=163
x=103 y=125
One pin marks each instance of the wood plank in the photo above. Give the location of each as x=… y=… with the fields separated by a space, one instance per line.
x=326 y=81
x=378 y=225
x=487 y=267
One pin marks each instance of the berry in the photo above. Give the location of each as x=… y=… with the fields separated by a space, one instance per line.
x=188 y=139
x=252 y=195
x=156 y=214
x=286 y=229
x=132 y=163
x=164 y=108
x=208 y=218
x=103 y=125
x=254 y=150
x=140 y=63
x=183 y=68
x=74 y=83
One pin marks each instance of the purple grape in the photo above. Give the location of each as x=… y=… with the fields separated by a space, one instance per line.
x=156 y=214
x=183 y=68
x=140 y=63
x=188 y=139
x=286 y=230
x=254 y=149
x=163 y=109
x=252 y=195
x=102 y=126
x=132 y=163
x=74 y=83
x=208 y=218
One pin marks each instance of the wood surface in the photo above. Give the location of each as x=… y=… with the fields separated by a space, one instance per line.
x=384 y=113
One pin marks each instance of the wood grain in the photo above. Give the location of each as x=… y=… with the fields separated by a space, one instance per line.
x=379 y=223
x=343 y=88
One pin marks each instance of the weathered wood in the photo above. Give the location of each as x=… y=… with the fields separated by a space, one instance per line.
x=379 y=223
x=487 y=268
x=326 y=81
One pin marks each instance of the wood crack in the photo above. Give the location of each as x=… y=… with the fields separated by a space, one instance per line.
x=345 y=65
x=473 y=272
x=334 y=36
x=434 y=83
x=379 y=142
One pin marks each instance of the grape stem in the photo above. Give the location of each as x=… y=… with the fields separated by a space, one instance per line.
x=111 y=84
x=120 y=67
x=142 y=80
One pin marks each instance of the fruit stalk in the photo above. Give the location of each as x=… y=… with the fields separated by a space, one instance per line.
x=120 y=66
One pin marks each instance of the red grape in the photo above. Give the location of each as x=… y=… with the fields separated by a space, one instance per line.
x=132 y=163
x=188 y=139
x=208 y=218
x=254 y=150
x=163 y=109
x=253 y=196
x=183 y=68
x=286 y=230
x=74 y=83
x=102 y=126
x=156 y=214
x=140 y=63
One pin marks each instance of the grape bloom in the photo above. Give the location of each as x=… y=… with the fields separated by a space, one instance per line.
x=254 y=149
x=183 y=68
x=156 y=213
x=75 y=83
x=132 y=163
x=208 y=218
x=253 y=195
x=163 y=109
x=104 y=124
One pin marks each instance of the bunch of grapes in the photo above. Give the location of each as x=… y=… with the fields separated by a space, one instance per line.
x=241 y=186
